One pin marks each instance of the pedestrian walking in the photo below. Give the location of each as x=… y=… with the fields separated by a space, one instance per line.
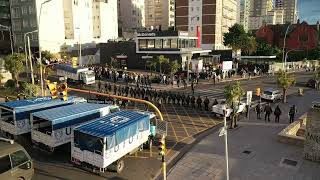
x=206 y=103
x=268 y=111
x=258 y=110
x=199 y=102
x=292 y=112
x=277 y=113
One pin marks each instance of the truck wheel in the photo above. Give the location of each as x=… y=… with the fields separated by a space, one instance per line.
x=120 y=166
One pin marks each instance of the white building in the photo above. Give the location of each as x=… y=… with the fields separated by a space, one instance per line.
x=64 y=22
x=131 y=14
x=245 y=6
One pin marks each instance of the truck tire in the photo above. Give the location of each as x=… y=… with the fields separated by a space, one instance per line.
x=117 y=166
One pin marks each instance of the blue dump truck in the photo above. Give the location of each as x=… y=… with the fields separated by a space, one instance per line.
x=103 y=142
x=15 y=115
x=54 y=127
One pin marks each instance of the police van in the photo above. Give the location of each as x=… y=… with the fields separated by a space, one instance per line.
x=54 y=127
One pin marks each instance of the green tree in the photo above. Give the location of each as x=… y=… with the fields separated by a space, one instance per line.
x=249 y=45
x=162 y=60
x=236 y=37
x=14 y=64
x=174 y=67
x=31 y=90
x=47 y=55
x=151 y=64
x=285 y=81
x=233 y=94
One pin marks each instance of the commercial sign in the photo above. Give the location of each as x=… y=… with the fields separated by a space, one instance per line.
x=146 y=34
x=226 y=65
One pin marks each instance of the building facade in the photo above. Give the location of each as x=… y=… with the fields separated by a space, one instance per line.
x=5 y=23
x=290 y=11
x=210 y=18
x=131 y=14
x=259 y=13
x=64 y=22
x=245 y=6
x=160 y=13
x=275 y=16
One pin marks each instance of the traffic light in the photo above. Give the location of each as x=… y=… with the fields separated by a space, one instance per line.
x=63 y=88
x=52 y=87
x=162 y=146
x=258 y=92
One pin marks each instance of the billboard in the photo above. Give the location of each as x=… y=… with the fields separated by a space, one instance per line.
x=226 y=65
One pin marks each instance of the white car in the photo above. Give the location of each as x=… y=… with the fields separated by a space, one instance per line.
x=218 y=109
x=271 y=95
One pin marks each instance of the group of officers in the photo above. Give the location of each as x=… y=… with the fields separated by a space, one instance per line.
x=159 y=97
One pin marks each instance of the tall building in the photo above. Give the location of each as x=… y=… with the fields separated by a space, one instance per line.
x=5 y=20
x=245 y=6
x=64 y=22
x=210 y=18
x=279 y=4
x=160 y=13
x=259 y=13
x=290 y=11
x=131 y=14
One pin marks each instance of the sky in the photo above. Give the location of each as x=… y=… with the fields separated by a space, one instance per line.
x=309 y=10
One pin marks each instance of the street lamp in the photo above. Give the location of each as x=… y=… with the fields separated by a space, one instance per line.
x=25 y=51
x=10 y=31
x=284 y=45
x=40 y=58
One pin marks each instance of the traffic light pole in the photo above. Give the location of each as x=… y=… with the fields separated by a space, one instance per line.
x=164 y=165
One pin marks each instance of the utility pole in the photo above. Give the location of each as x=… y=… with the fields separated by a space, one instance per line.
x=30 y=61
x=226 y=143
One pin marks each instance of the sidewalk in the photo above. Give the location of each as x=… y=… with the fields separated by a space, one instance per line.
x=254 y=152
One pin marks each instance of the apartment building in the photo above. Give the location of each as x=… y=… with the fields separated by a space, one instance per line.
x=64 y=22
x=290 y=11
x=5 y=20
x=259 y=13
x=160 y=13
x=275 y=16
x=131 y=14
x=210 y=18
x=245 y=6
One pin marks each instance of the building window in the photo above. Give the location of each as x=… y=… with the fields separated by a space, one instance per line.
x=158 y=44
x=198 y=18
x=31 y=9
x=182 y=43
x=24 y=9
x=17 y=25
x=142 y=43
x=25 y=23
x=150 y=44
x=191 y=28
x=166 y=44
x=174 y=43
x=15 y=12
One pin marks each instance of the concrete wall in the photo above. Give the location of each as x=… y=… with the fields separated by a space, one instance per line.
x=312 y=143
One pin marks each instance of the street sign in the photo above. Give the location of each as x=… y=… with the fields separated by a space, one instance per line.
x=222 y=131
x=249 y=97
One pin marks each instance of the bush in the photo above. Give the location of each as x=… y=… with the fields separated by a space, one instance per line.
x=31 y=90
x=22 y=85
x=10 y=84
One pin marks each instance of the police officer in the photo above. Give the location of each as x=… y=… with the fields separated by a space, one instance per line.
x=99 y=85
x=206 y=103
x=258 y=110
x=199 y=102
x=215 y=102
x=187 y=100
x=114 y=89
x=106 y=87
x=131 y=92
x=183 y=99
x=173 y=99
x=268 y=111
x=178 y=97
x=193 y=101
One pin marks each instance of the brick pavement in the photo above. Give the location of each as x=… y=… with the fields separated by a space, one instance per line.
x=206 y=159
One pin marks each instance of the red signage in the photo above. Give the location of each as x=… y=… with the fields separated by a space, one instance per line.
x=198 y=35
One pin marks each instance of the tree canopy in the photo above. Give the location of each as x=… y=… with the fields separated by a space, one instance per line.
x=14 y=64
x=285 y=81
x=233 y=93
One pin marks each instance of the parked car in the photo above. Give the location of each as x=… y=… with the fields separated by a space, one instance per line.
x=218 y=109
x=15 y=162
x=271 y=95
x=311 y=83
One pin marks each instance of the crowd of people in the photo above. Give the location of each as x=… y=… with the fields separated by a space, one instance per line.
x=158 y=97
x=277 y=112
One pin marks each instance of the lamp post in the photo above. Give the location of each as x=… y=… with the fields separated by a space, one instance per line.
x=40 y=58
x=25 y=51
x=284 y=45
x=10 y=32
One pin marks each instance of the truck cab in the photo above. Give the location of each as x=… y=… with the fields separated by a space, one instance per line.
x=88 y=77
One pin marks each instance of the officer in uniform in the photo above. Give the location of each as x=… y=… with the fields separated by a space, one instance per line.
x=199 y=102
x=187 y=100
x=173 y=99
x=206 y=103
x=183 y=99
x=193 y=101
x=178 y=97
x=114 y=89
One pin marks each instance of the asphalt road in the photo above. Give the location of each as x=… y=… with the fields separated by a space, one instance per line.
x=183 y=123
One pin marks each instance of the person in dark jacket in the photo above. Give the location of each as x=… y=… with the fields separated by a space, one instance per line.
x=215 y=102
x=193 y=101
x=258 y=110
x=187 y=100
x=199 y=102
x=292 y=112
x=206 y=103
x=268 y=111
x=277 y=113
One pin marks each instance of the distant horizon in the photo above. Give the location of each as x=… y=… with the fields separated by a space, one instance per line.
x=309 y=11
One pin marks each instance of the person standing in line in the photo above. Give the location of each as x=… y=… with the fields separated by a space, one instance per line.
x=292 y=112
x=206 y=103
x=199 y=102
x=193 y=101
x=187 y=100
x=277 y=113
x=268 y=111
x=99 y=85
x=192 y=87
x=258 y=110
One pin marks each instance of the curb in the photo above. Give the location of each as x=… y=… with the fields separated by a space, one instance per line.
x=180 y=154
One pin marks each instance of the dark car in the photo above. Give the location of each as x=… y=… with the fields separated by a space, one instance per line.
x=311 y=83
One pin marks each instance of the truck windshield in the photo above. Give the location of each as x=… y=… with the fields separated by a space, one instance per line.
x=42 y=125
x=88 y=142
x=7 y=116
